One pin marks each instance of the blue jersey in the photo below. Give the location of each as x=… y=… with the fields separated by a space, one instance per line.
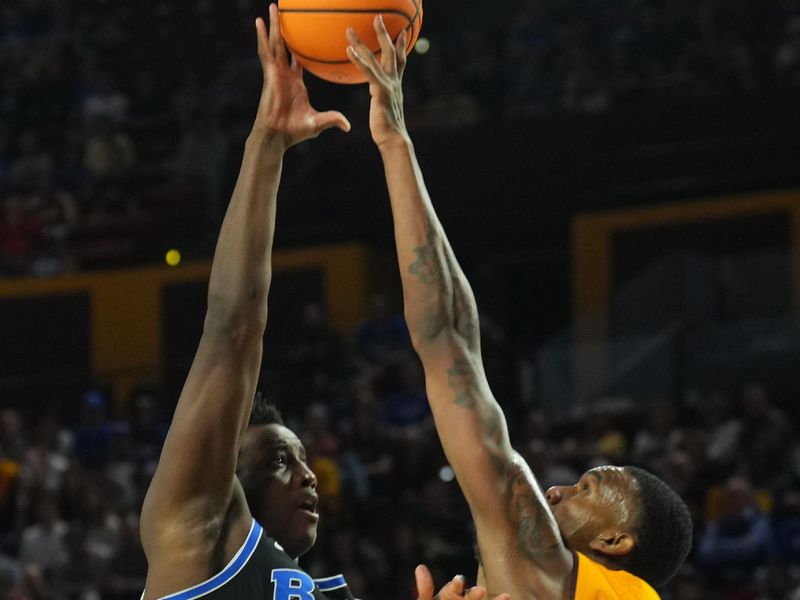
x=261 y=570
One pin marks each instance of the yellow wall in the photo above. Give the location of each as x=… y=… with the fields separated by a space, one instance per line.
x=126 y=305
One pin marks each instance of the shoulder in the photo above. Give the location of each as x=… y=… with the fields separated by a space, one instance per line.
x=191 y=546
x=594 y=581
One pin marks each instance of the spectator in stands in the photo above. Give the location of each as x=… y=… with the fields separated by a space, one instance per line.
x=5 y=156
x=79 y=577
x=322 y=447
x=316 y=347
x=32 y=164
x=12 y=437
x=94 y=432
x=43 y=544
x=201 y=162
x=787 y=54
x=109 y=154
x=787 y=527
x=20 y=236
x=543 y=454
x=148 y=431
x=367 y=460
x=723 y=428
x=382 y=332
x=406 y=415
x=657 y=436
x=105 y=102
x=127 y=568
x=739 y=539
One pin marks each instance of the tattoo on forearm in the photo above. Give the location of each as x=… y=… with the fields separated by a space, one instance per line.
x=464 y=382
x=436 y=266
x=465 y=313
x=428 y=266
x=461 y=379
x=535 y=535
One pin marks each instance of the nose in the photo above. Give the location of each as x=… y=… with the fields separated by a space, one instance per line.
x=554 y=495
x=307 y=477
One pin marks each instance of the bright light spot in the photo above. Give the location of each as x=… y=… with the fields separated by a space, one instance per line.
x=173 y=258
x=422 y=46
x=446 y=474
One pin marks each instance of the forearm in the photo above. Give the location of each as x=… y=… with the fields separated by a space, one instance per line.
x=241 y=270
x=438 y=301
x=443 y=321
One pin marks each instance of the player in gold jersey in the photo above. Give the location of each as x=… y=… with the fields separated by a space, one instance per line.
x=617 y=532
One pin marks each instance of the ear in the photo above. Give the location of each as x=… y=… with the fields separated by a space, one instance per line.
x=613 y=543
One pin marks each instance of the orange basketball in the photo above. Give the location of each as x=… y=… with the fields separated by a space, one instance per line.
x=314 y=31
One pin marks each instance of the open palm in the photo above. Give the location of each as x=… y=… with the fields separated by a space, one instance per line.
x=284 y=109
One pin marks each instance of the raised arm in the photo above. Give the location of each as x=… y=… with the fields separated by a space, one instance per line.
x=193 y=486
x=510 y=512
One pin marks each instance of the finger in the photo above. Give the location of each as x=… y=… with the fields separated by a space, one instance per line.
x=503 y=597
x=453 y=589
x=388 y=61
x=424 y=582
x=296 y=67
x=361 y=64
x=476 y=593
x=364 y=53
x=275 y=37
x=401 y=52
x=330 y=119
x=264 y=51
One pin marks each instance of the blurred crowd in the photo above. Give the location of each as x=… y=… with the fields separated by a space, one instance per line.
x=121 y=125
x=72 y=477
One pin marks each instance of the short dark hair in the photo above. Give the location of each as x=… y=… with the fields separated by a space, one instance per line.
x=264 y=412
x=663 y=530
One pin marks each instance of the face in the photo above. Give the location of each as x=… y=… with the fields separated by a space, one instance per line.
x=286 y=487
x=595 y=509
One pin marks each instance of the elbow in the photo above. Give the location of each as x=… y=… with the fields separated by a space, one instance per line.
x=235 y=323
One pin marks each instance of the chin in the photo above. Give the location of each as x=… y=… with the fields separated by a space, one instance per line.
x=302 y=543
x=304 y=546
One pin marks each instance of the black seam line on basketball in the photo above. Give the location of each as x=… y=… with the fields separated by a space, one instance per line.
x=330 y=62
x=390 y=11
x=417 y=4
x=321 y=61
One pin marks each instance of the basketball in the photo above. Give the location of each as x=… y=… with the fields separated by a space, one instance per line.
x=314 y=31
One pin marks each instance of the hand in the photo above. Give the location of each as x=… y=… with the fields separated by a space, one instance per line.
x=284 y=110
x=386 y=121
x=454 y=590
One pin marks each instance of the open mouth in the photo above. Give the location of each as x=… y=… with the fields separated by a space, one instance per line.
x=309 y=504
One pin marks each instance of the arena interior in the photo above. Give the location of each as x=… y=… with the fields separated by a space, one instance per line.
x=620 y=180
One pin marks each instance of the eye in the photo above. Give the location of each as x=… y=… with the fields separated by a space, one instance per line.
x=585 y=487
x=279 y=460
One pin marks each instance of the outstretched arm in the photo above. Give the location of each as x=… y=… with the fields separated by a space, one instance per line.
x=510 y=512
x=194 y=485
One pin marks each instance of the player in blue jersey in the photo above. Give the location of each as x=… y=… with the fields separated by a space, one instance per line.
x=233 y=503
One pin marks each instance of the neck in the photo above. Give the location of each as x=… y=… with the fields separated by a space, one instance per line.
x=604 y=560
